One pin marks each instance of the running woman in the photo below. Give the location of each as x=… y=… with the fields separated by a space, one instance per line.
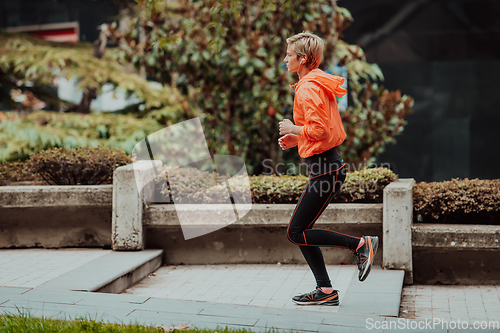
x=318 y=131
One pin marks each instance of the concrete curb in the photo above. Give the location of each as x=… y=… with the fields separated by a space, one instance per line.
x=456 y=236
x=111 y=273
x=55 y=196
x=274 y=215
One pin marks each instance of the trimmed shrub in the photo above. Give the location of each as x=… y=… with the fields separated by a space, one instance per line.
x=466 y=201
x=78 y=166
x=194 y=186
x=14 y=172
x=366 y=185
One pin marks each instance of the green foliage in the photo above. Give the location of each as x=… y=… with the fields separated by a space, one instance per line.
x=26 y=323
x=376 y=117
x=277 y=189
x=366 y=185
x=195 y=186
x=42 y=130
x=79 y=166
x=468 y=201
x=14 y=172
x=24 y=58
x=226 y=57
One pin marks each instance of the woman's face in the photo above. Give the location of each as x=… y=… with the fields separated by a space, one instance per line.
x=292 y=63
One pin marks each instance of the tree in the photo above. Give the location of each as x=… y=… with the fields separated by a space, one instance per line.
x=26 y=59
x=226 y=58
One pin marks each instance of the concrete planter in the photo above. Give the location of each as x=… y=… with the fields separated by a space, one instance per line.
x=55 y=216
x=119 y=216
x=25 y=183
x=136 y=222
x=456 y=253
x=258 y=237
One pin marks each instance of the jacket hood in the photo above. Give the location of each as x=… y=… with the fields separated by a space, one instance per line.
x=331 y=83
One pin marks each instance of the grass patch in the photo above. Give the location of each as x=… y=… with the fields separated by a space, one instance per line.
x=25 y=322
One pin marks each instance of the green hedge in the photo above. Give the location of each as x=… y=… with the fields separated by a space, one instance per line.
x=457 y=201
x=95 y=165
x=15 y=172
x=466 y=201
x=61 y=166
x=193 y=185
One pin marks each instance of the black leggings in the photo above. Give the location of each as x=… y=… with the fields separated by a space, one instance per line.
x=327 y=173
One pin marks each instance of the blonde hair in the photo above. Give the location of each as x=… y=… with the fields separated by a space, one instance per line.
x=307 y=43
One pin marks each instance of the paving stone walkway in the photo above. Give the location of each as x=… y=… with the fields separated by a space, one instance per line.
x=256 y=297
x=273 y=286
x=260 y=285
x=451 y=303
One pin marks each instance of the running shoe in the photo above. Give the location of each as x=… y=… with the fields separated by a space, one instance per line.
x=317 y=297
x=364 y=256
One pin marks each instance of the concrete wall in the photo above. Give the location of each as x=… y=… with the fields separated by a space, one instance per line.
x=235 y=244
x=55 y=227
x=456 y=254
x=465 y=267
x=259 y=236
x=80 y=216
x=55 y=216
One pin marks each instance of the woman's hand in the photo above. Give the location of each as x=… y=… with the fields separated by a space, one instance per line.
x=288 y=141
x=286 y=127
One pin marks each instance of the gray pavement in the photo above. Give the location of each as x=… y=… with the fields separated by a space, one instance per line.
x=254 y=297
x=274 y=286
x=451 y=303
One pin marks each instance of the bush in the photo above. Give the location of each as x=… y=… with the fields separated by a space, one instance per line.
x=79 y=166
x=195 y=186
x=14 y=172
x=457 y=201
x=26 y=58
x=230 y=67
x=365 y=185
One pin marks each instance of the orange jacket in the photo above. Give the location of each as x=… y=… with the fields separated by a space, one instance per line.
x=315 y=108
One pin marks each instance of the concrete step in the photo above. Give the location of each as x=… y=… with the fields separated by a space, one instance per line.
x=379 y=294
x=110 y=273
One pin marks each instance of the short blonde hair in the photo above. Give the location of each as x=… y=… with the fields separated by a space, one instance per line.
x=307 y=43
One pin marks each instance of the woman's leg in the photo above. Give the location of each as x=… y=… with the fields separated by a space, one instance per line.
x=313 y=201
